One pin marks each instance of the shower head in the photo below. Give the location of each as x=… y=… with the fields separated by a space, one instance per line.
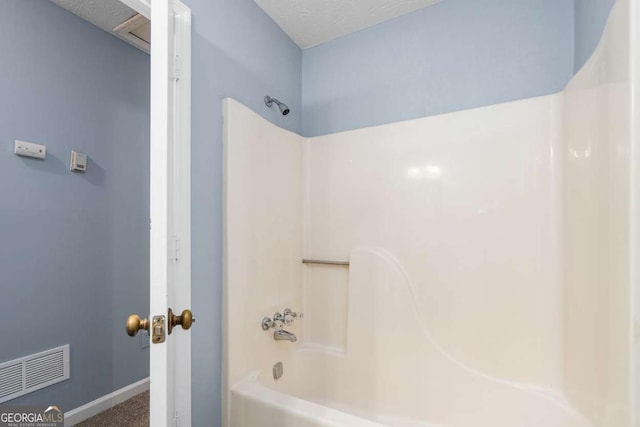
x=283 y=107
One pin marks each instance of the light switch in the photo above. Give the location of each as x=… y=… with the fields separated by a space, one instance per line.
x=29 y=149
x=78 y=161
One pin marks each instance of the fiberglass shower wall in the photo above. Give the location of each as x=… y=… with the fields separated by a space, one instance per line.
x=491 y=257
x=512 y=225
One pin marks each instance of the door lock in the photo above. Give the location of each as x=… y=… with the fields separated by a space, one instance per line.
x=135 y=324
x=157 y=324
x=184 y=319
x=157 y=330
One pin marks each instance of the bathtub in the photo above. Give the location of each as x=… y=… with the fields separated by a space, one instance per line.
x=391 y=373
x=256 y=405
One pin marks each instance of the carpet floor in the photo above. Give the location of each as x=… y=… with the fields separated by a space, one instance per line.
x=131 y=413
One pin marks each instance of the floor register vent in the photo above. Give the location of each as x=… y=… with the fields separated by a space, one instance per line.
x=30 y=373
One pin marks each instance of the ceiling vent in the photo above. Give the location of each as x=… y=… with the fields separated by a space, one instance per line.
x=27 y=374
x=114 y=17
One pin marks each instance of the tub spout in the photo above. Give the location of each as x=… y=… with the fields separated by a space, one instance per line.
x=284 y=336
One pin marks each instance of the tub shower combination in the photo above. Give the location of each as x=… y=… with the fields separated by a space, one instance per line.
x=470 y=269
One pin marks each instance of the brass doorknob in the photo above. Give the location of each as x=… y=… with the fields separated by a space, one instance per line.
x=184 y=319
x=135 y=324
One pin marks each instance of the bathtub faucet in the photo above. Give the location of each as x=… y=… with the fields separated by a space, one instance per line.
x=280 y=320
x=278 y=323
x=282 y=335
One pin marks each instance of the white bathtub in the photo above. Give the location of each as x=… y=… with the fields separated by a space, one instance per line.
x=392 y=373
x=256 y=405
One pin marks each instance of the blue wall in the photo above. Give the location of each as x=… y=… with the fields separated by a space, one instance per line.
x=455 y=55
x=238 y=52
x=590 y=19
x=74 y=258
x=69 y=85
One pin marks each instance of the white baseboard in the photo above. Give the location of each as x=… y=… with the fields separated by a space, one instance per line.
x=103 y=403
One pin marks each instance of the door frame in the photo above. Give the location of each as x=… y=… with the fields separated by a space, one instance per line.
x=171 y=204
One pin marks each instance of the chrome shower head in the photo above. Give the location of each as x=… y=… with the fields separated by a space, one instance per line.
x=281 y=105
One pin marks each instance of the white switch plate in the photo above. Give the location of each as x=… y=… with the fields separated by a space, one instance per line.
x=78 y=161
x=29 y=149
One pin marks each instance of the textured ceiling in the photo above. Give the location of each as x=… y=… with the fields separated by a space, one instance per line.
x=106 y=14
x=312 y=22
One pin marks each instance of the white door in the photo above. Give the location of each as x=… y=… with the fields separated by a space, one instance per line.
x=170 y=213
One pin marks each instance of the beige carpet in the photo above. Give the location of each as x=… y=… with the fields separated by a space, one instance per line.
x=131 y=413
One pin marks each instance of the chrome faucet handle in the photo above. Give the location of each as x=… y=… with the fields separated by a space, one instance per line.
x=290 y=316
x=294 y=314
x=267 y=324
x=288 y=319
x=280 y=320
x=276 y=323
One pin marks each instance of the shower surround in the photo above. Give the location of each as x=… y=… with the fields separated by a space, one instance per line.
x=489 y=279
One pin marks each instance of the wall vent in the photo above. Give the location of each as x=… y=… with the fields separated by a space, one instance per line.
x=30 y=373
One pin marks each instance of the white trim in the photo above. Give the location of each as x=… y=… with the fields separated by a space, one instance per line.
x=161 y=212
x=180 y=187
x=105 y=402
x=170 y=363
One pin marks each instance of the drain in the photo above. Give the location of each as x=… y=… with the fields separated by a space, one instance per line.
x=278 y=370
